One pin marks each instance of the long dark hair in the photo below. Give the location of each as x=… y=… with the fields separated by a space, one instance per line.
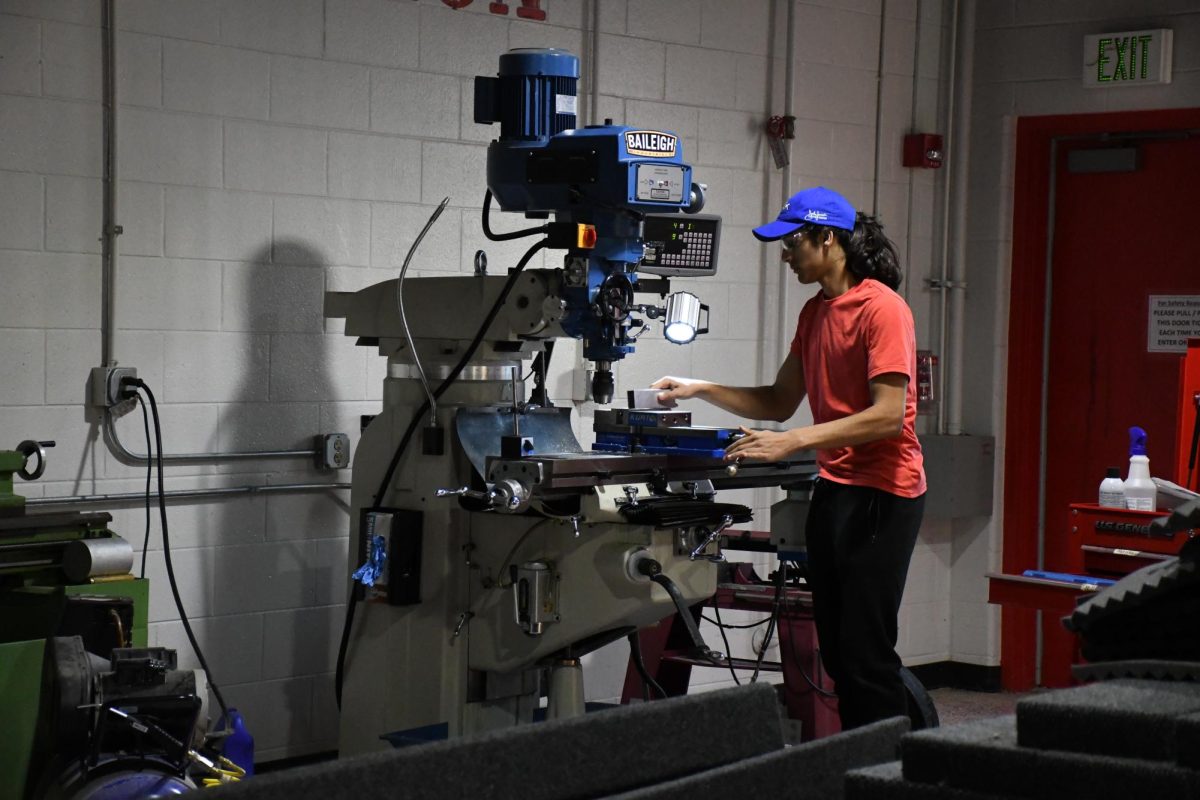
x=869 y=252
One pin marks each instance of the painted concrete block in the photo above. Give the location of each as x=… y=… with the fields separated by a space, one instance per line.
x=20 y=47
x=216 y=224
x=207 y=79
x=318 y=232
x=274 y=158
x=169 y=294
x=308 y=91
x=50 y=136
x=273 y=299
x=159 y=147
x=23 y=362
x=380 y=32
x=21 y=209
x=415 y=103
x=276 y=26
x=215 y=367
x=374 y=167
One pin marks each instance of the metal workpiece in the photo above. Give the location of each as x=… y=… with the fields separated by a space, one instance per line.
x=97 y=557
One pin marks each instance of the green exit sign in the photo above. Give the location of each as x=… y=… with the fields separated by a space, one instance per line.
x=1132 y=58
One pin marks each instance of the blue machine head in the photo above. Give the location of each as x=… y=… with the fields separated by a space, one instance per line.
x=614 y=178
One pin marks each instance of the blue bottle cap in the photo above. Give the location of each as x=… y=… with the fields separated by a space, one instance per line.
x=1137 y=441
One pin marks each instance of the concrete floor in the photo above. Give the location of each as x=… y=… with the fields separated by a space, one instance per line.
x=959 y=705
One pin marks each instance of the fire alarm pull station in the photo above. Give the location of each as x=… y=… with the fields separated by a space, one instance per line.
x=923 y=150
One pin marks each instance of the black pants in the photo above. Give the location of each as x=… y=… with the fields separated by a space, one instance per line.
x=860 y=541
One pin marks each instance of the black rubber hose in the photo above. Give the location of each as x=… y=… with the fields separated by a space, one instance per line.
x=635 y=652
x=685 y=614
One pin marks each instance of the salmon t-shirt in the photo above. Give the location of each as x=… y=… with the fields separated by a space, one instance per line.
x=843 y=343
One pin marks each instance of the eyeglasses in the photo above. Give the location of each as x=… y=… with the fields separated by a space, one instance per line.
x=792 y=241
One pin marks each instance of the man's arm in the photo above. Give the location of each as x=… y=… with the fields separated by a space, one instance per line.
x=883 y=419
x=777 y=402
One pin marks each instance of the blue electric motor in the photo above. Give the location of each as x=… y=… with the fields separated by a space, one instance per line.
x=534 y=96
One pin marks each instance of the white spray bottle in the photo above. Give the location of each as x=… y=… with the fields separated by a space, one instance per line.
x=1140 y=492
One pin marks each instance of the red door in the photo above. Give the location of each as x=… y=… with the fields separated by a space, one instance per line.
x=1115 y=238
x=1119 y=237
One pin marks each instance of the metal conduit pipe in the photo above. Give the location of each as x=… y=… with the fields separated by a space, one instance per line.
x=789 y=90
x=131 y=459
x=111 y=230
x=879 y=109
x=912 y=127
x=182 y=494
x=957 y=287
x=940 y=282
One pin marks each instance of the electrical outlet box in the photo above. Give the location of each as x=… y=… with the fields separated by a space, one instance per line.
x=106 y=389
x=332 y=450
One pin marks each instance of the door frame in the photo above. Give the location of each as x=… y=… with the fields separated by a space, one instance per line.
x=1034 y=167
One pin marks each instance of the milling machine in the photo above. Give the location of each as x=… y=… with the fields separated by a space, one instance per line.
x=494 y=550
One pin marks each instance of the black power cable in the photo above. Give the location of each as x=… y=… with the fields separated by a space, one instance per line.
x=800 y=665
x=162 y=510
x=149 y=471
x=728 y=651
x=347 y=624
x=772 y=622
x=635 y=650
x=504 y=237
x=730 y=626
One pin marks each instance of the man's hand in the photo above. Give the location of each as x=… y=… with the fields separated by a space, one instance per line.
x=675 y=389
x=763 y=445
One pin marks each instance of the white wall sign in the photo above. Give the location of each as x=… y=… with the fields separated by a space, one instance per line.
x=1131 y=58
x=1173 y=319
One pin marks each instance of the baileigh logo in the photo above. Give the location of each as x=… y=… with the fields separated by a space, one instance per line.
x=650 y=143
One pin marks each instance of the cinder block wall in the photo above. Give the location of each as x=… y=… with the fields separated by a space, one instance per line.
x=271 y=150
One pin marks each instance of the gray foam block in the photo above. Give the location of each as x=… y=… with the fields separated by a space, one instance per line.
x=811 y=771
x=886 y=782
x=1141 y=668
x=1129 y=718
x=983 y=756
x=1188 y=738
x=601 y=753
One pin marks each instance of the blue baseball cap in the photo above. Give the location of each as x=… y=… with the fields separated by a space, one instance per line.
x=816 y=206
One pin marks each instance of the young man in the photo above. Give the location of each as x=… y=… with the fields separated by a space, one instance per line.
x=854 y=356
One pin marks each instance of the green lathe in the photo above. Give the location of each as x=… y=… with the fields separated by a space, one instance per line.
x=61 y=574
